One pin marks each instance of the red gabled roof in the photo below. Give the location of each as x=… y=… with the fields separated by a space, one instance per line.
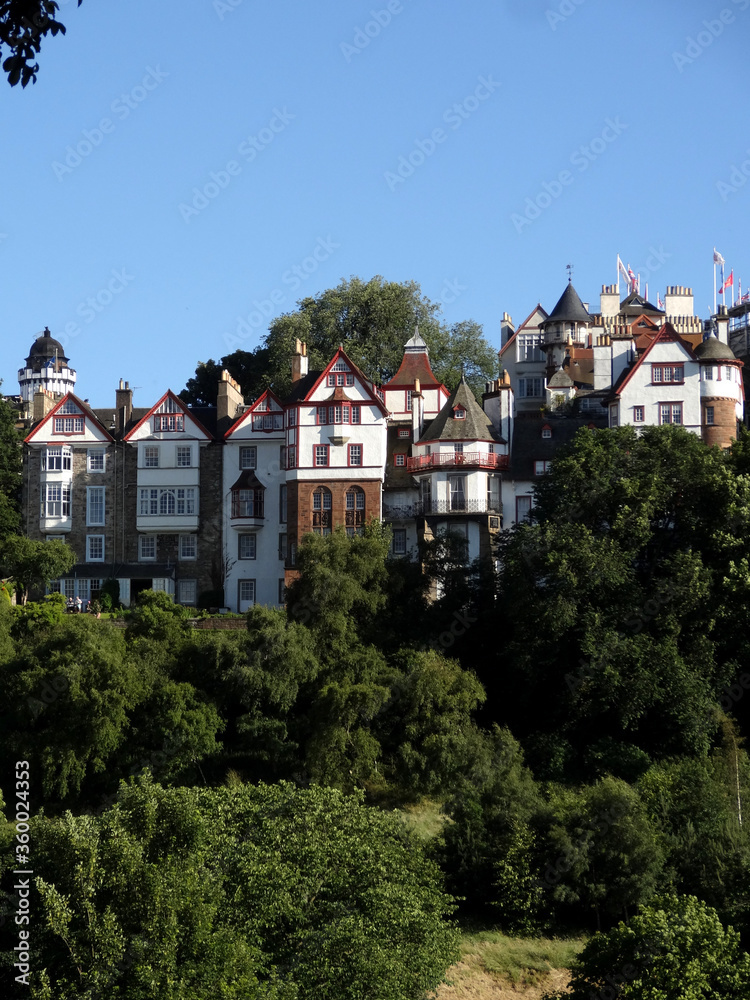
x=266 y=394
x=510 y=340
x=183 y=406
x=665 y=334
x=85 y=410
x=414 y=365
x=367 y=385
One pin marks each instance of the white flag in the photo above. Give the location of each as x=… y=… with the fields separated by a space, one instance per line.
x=718 y=259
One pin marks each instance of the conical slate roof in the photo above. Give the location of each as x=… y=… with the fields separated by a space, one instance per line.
x=569 y=309
x=475 y=426
x=45 y=348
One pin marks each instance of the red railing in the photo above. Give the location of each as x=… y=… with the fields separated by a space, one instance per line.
x=481 y=459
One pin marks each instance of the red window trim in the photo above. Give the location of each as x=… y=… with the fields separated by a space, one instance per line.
x=349 y=455
x=662 y=381
x=674 y=402
x=328 y=456
x=636 y=418
x=160 y=418
x=69 y=416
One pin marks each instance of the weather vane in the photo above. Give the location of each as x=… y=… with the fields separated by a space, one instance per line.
x=569 y=269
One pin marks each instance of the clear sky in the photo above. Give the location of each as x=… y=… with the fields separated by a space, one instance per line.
x=183 y=166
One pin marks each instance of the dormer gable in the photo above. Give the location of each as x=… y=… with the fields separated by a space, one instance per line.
x=341 y=372
x=262 y=417
x=169 y=418
x=71 y=421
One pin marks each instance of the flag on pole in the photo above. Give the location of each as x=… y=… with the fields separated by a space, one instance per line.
x=621 y=270
x=718 y=259
x=727 y=283
x=659 y=303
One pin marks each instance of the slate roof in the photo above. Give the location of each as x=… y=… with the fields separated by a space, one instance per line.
x=636 y=305
x=45 y=348
x=529 y=446
x=560 y=380
x=569 y=309
x=302 y=386
x=475 y=426
x=415 y=364
x=713 y=349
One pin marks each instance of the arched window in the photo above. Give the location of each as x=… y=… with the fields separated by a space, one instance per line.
x=166 y=502
x=321 y=510
x=355 y=509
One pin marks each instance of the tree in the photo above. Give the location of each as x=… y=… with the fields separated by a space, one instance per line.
x=10 y=471
x=23 y=25
x=674 y=949
x=372 y=320
x=243 y=891
x=29 y=562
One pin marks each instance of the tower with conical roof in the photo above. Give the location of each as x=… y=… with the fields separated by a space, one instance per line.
x=568 y=323
x=46 y=369
x=721 y=391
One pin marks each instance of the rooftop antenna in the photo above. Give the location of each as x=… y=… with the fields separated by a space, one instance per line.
x=569 y=269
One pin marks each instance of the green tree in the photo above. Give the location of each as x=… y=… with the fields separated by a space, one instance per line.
x=675 y=949
x=23 y=25
x=246 y=891
x=32 y=563
x=10 y=471
x=372 y=320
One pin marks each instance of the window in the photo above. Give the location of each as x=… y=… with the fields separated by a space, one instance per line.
x=246 y=589
x=94 y=548
x=667 y=373
x=186 y=591
x=321 y=514
x=399 y=541
x=614 y=415
x=282 y=504
x=340 y=366
x=709 y=414
x=355 y=509
x=247 y=547
x=708 y=373
x=528 y=387
x=293 y=417
x=268 y=421
x=493 y=493
x=282 y=546
x=523 y=508
x=425 y=494
x=355 y=454
x=409 y=393
x=151 y=456
x=69 y=407
x=320 y=455
x=184 y=456
x=459 y=413
x=146 y=548
x=94 y=505
x=541 y=467
x=169 y=422
x=670 y=413
x=56 y=458
x=457 y=491
x=639 y=414
x=728 y=373
x=248 y=503
x=400 y=459
x=188 y=546
x=337 y=413
x=529 y=347
x=68 y=425
x=404 y=432
x=163 y=500
x=95 y=457
x=546 y=432
x=248 y=457
x=57 y=501
x=291 y=457
x=282 y=591
x=55 y=538
x=356 y=414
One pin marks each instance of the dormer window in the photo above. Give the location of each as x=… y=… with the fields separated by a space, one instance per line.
x=459 y=413
x=546 y=431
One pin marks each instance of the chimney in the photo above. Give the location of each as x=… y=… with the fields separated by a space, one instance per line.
x=506 y=329
x=123 y=405
x=44 y=400
x=299 y=361
x=678 y=301
x=417 y=411
x=228 y=401
x=722 y=324
x=609 y=300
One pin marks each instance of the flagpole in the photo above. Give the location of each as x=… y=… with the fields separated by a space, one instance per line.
x=618 y=276
x=714 y=281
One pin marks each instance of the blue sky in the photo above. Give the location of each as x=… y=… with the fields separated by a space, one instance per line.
x=182 y=171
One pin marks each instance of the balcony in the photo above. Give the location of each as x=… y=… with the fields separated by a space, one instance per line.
x=447 y=459
x=427 y=508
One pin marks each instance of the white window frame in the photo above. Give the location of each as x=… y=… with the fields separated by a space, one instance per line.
x=248 y=456
x=183 y=451
x=247 y=546
x=96 y=453
x=188 y=548
x=399 y=541
x=151 y=456
x=93 y=543
x=147 y=548
x=189 y=599
x=95 y=519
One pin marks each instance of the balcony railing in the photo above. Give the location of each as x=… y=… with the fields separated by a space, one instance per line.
x=456 y=505
x=480 y=459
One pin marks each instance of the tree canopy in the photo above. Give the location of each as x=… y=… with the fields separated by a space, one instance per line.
x=23 y=25
x=372 y=320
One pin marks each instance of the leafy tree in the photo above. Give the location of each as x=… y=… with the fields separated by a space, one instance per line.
x=10 y=471
x=372 y=320
x=675 y=949
x=32 y=563
x=264 y=891
x=23 y=25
